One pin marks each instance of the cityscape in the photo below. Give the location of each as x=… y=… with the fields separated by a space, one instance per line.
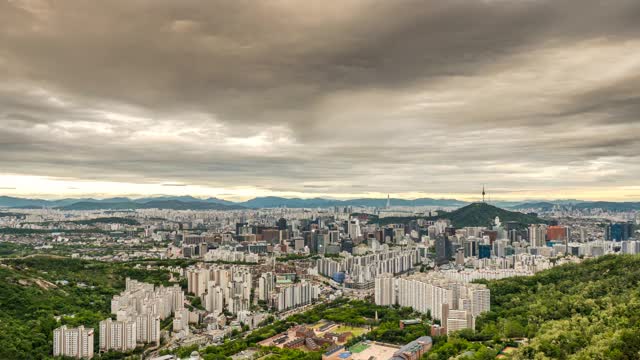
x=218 y=276
x=337 y=180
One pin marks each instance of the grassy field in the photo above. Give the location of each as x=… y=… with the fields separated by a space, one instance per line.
x=356 y=331
x=358 y=348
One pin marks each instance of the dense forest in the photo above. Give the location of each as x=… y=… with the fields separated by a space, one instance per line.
x=577 y=311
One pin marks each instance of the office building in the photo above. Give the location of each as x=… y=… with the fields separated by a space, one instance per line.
x=484 y=251
x=618 y=231
x=443 y=250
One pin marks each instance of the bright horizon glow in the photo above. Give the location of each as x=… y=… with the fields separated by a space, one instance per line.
x=28 y=186
x=229 y=101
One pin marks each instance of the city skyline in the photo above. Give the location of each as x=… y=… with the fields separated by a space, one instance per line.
x=220 y=99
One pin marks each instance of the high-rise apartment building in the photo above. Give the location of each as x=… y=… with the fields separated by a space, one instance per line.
x=146 y=305
x=197 y=280
x=385 y=292
x=73 y=342
x=296 y=295
x=444 y=298
x=117 y=335
x=266 y=285
x=537 y=235
x=148 y=328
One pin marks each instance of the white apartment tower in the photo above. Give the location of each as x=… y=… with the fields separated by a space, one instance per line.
x=117 y=335
x=73 y=342
x=266 y=285
x=214 y=299
x=197 y=280
x=537 y=235
x=385 y=293
x=354 y=229
x=148 y=328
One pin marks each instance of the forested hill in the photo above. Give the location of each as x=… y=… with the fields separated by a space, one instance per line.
x=482 y=214
x=476 y=214
x=579 y=311
x=35 y=290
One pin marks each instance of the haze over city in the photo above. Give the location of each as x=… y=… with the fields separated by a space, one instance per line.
x=536 y=99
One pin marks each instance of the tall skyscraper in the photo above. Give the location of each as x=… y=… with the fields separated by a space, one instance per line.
x=443 y=250
x=537 y=235
x=618 y=231
x=354 y=229
x=484 y=251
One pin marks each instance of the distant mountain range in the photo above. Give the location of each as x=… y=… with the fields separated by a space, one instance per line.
x=581 y=205
x=274 y=201
x=190 y=202
x=122 y=203
x=153 y=204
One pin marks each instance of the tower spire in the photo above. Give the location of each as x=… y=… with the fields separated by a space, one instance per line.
x=483 y=193
x=388 y=201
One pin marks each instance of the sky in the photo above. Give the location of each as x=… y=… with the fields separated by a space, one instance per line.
x=535 y=99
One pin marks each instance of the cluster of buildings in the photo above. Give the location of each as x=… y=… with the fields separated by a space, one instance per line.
x=233 y=289
x=295 y=295
x=222 y=288
x=139 y=310
x=414 y=350
x=359 y=272
x=454 y=303
x=230 y=254
x=333 y=243
x=306 y=337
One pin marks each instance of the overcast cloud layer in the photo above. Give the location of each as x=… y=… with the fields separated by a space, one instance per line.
x=537 y=99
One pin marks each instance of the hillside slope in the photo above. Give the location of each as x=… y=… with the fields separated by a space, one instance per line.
x=578 y=311
x=482 y=214
x=31 y=297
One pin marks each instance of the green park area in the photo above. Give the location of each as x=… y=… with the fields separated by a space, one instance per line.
x=358 y=348
x=356 y=331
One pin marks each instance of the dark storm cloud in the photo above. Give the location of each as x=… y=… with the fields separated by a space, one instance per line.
x=382 y=95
